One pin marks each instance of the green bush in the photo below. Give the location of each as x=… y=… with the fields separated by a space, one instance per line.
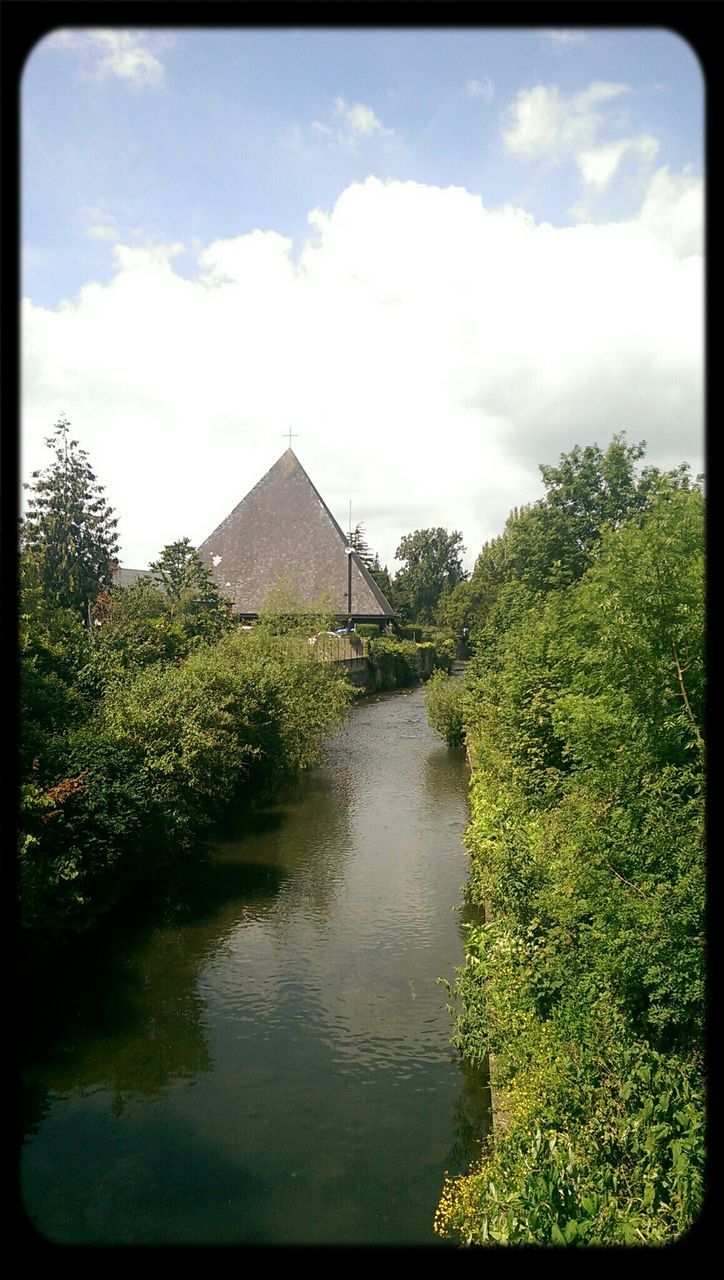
x=418 y=631
x=444 y=704
x=630 y=1172
x=394 y=662
x=583 y=719
x=154 y=766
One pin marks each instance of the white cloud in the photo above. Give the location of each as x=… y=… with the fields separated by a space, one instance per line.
x=484 y=89
x=357 y=121
x=102 y=231
x=100 y=224
x=428 y=351
x=599 y=165
x=361 y=120
x=564 y=38
x=674 y=210
x=543 y=123
x=127 y=55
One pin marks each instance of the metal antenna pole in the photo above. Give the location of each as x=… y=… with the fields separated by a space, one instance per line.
x=349 y=571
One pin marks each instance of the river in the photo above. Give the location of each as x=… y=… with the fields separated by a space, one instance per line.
x=259 y=1053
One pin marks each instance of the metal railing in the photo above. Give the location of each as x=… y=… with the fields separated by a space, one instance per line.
x=331 y=648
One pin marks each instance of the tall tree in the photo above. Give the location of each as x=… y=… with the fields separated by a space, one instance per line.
x=68 y=534
x=191 y=594
x=551 y=543
x=432 y=564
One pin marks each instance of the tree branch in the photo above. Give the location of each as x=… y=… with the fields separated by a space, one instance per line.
x=682 y=686
x=623 y=879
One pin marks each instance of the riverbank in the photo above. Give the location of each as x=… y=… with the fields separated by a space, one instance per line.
x=584 y=988
x=386 y=663
x=151 y=769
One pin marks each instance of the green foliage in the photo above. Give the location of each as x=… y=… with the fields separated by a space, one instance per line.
x=282 y=612
x=68 y=532
x=134 y=629
x=549 y=545
x=583 y=710
x=154 y=765
x=394 y=662
x=54 y=648
x=192 y=596
x=459 y=608
x=630 y=1173
x=444 y=705
x=137 y=730
x=431 y=563
x=414 y=631
x=156 y=619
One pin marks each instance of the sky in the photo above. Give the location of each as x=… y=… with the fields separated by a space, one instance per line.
x=439 y=257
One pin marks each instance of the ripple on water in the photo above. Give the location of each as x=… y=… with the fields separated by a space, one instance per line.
x=301 y=1084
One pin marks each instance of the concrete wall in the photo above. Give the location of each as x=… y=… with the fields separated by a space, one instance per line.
x=361 y=673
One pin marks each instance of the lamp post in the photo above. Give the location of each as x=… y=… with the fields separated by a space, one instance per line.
x=349 y=551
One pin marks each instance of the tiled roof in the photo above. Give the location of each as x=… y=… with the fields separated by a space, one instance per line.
x=124 y=577
x=283 y=531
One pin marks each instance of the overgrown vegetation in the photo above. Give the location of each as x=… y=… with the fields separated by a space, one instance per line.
x=398 y=663
x=444 y=705
x=144 y=710
x=583 y=711
x=394 y=661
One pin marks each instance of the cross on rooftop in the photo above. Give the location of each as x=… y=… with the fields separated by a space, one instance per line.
x=290 y=433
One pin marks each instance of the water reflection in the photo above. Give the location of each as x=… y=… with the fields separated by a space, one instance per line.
x=473 y=1118
x=266 y=1057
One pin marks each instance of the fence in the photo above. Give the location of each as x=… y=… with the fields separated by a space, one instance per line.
x=331 y=648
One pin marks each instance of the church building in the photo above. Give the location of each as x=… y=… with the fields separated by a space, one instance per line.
x=282 y=534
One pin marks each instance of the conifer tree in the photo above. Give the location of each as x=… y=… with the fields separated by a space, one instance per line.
x=68 y=533
x=191 y=594
x=358 y=540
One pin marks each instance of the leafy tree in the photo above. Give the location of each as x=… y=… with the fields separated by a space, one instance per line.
x=136 y=629
x=153 y=766
x=584 y=722
x=53 y=650
x=431 y=563
x=68 y=532
x=552 y=543
x=549 y=544
x=444 y=706
x=192 y=596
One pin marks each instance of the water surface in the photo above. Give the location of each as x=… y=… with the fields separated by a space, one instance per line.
x=265 y=1057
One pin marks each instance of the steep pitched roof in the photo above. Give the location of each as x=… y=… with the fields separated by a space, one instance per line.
x=125 y=577
x=283 y=530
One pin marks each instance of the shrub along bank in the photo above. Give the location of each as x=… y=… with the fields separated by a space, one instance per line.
x=583 y=712
x=398 y=663
x=444 y=703
x=151 y=765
